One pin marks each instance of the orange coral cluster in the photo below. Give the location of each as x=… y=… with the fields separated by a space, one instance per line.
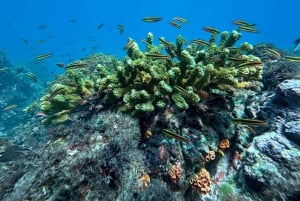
x=210 y=156
x=144 y=180
x=147 y=134
x=224 y=144
x=201 y=182
x=175 y=173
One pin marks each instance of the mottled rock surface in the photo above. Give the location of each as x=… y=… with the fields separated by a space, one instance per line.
x=272 y=162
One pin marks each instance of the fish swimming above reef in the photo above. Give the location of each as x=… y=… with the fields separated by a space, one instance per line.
x=43 y=56
x=152 y=19
x=247 y=29
x=243 y=23
x=174 y=135
x=76 y=65
x=292 y=58
x=129 y=45
x=245 y=26
x=24 y=41
x=121 y=28
x=249 y=122
x=175 y=24
x=72 y=20
x=180 y=19
x=211 y=30
x=273 y=53
x=61 y=65
x=42 y=26
x=9 y=107
x=31 y=76
x=100 y=26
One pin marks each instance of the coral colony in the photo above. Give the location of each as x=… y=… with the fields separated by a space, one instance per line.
x=150 y=81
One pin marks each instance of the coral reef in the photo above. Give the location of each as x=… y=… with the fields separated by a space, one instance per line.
x=183 y=144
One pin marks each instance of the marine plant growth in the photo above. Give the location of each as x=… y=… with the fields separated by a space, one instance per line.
x=164 y=74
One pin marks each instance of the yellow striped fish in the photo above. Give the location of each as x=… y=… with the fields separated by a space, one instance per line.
x=152 y=19
x=174 y=135
x=291 y=58
x=250 y=122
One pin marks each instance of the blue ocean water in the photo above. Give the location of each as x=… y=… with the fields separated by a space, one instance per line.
x=68 y=29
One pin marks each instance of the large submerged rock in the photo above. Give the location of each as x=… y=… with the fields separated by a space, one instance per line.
x=272 y=161
x=289 y=91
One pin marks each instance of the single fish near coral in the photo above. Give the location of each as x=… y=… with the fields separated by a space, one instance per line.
x=174 y=135
x=250 y=122
x=211 y=30
x=129 y=45
x=76 y=65
x=237 y=59
x=181 y=90
x=175 y=24
x=251 y=63
x=120 y=28
x=243 y=23
x=54 y=93
x=152 y=19
x=40 y=114
x=43 y=56
x=185 y=41
x=291 y=58
x=200 y=42
x=163 y=41
x=31 y=76
x=247 y=29
x=180 y=19
x=273 y=53
x=61 y=65
x=9 y=107
x=158 y=56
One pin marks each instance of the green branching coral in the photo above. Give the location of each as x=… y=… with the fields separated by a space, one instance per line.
x=150 y=80
x=70 y=90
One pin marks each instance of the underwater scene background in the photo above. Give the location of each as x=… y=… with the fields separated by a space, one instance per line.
x=149 y=100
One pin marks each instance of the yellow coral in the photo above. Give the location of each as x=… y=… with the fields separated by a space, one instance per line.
x=243 y=85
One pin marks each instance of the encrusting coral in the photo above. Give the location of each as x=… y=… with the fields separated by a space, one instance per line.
x=175 y=173
x=224 y=144
x=201 y=182
x=210 y=156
